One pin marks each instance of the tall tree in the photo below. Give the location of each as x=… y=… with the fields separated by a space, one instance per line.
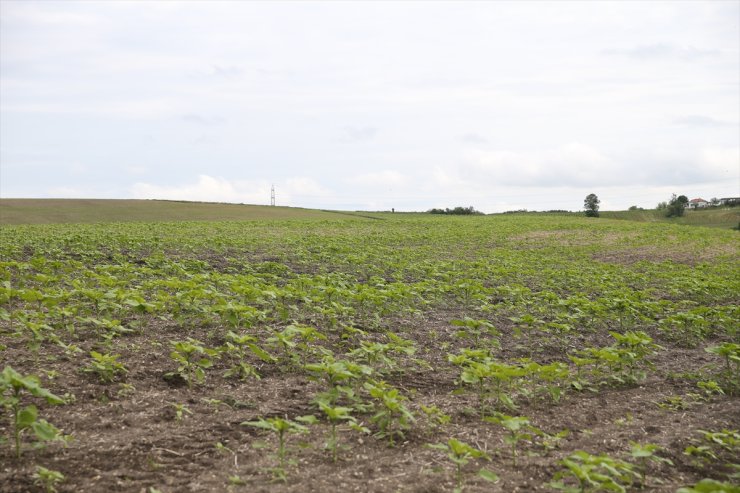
x=591 y=205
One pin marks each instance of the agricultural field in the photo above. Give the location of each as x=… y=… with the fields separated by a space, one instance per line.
x=47 y=211
x=712 y=217
x=411 y=353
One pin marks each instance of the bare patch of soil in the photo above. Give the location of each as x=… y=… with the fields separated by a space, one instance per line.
x=690 y=255
x=130 y=439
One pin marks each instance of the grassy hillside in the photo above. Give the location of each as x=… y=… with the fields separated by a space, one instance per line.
x=716 y=218
x=48 y=211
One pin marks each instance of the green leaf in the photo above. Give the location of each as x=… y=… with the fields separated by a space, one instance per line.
x=309 y=419
x=45 y=430
x=27 y=416
x=488 y=475
x=261 y=353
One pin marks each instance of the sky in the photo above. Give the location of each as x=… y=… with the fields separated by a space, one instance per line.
x=371 y=105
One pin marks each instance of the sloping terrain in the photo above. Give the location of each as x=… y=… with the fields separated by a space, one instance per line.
x=540 y=349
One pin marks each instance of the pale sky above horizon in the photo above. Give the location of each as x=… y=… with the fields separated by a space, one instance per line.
x=354 y=105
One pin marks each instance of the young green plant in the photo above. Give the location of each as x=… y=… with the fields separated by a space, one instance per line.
x=460 y=454
x=13 y=386
x=281 y=427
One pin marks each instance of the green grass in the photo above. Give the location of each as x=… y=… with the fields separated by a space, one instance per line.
x=712 y=217
x=50 y=211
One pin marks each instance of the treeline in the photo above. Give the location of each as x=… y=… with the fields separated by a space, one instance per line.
x=457 y=211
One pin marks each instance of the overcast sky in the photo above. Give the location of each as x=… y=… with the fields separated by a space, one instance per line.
x=371 y=105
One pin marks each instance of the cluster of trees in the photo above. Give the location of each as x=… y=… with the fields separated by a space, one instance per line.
x=457 y=211
x=674 y=207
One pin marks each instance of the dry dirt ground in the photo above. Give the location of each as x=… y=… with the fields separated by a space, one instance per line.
x=130 y=439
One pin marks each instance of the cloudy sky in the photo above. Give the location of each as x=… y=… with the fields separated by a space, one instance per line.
x=371 y=105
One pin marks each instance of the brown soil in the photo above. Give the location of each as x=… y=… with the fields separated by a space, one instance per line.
x=132 y=441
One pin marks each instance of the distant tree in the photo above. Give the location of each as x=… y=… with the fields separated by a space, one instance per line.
x=714 y=201
x=591 y=205
x=635 y=208
x=457 y=211
x=676 y=206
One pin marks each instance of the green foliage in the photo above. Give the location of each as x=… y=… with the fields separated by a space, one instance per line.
x=181 y=410
x=716 y=447
x=676 y=206
x=591 y=205
x=460 y=454
x=435 y=417
x=281 y=427
x=391 y=414
x=644 y=453
x=729 y=376
x=105 y=366
x=475 y=330
x=47 y=479
x=237 y=348
x=457 y=211
x=13 y=386
x=293 y=342
x=337 y=415
x=584 y=472
x=490 y=378
x=710 y=486
x=518 y=427
x=529 y=299
x=193 y=359
x=624 y=363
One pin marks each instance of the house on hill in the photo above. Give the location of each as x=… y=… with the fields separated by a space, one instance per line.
x=698 y=203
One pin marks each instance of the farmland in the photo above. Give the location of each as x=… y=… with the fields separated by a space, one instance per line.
x=403 y=353
x=48 y=211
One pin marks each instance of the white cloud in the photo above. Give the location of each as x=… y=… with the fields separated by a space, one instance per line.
x=66 y=192
x=351 y=106
x=360 y=133
x=574 y=163
x=699 y=121
x=385 y=178
x=660 y=51
x=206 y=189
x=128 y=109
x=292 y=191
x=719 y=162
x=473 y=138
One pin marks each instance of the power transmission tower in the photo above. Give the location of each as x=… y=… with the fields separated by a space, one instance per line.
x=272 y=195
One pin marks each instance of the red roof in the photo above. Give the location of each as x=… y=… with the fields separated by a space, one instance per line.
x=693 y=201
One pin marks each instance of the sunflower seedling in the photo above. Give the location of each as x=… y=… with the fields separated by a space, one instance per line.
x=391 y=416
x=193 y=359
x=475 y=329
x=460 y=454
x=181 y=410
x=435 y=417
x=237 y=347
x=282 y=427
x=47 y=479
x=593 y=473
x=645 y=453
x=105 y=366
x=12 y=387
x=337 y=415
x=710 y=486
x=518 y=428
